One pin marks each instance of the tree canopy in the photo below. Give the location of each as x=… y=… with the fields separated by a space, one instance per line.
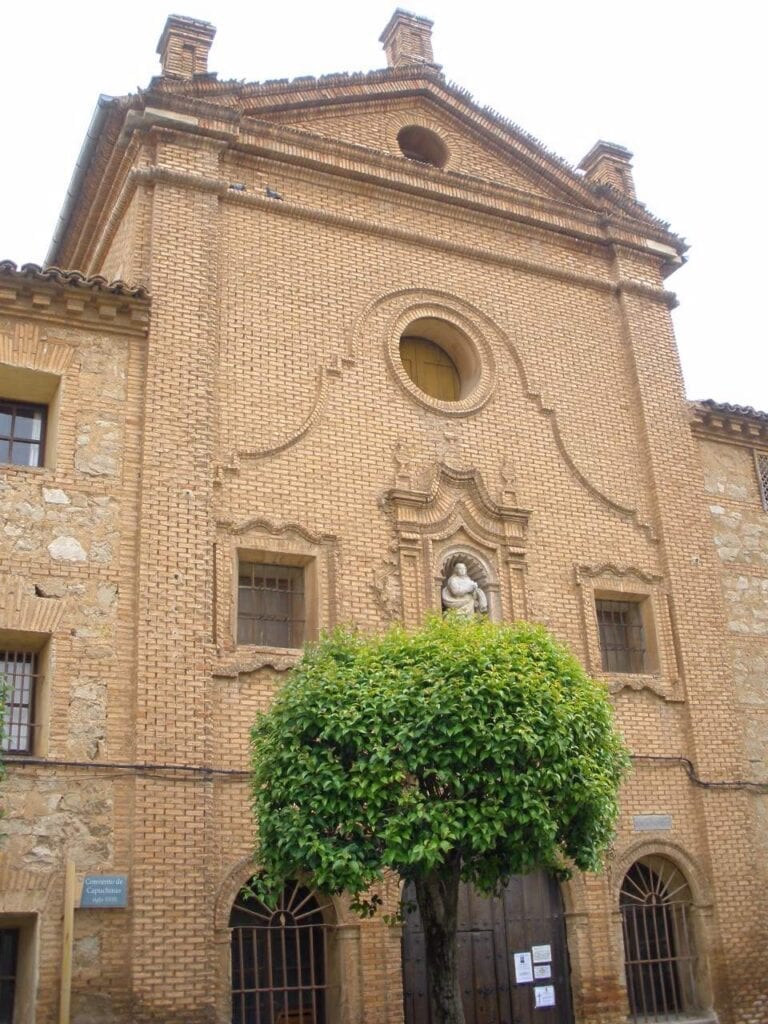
x=467 y=745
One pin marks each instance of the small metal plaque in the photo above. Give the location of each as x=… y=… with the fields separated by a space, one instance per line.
x=652 y=822
x=103 y=891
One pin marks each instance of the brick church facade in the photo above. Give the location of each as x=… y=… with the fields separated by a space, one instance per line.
x=371 y=330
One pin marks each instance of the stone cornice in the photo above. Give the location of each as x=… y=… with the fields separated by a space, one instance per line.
x=72 y=298
x=280 y=96
x=299 y=145
x=285 y=208
x=318 y=154
x=599 y=221
x=607 y=208
x=204 y=106
x=731 y=424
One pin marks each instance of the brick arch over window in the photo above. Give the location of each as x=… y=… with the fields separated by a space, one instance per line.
x=280 y=964
x=701 y=887
x=663 y=939
x=343 y=953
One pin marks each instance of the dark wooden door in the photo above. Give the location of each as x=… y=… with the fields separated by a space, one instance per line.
x=528 y=913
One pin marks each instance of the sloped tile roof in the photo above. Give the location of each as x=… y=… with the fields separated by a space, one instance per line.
x=71 y=279
x=727 y=409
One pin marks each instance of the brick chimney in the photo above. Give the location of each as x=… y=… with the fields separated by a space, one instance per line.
x=184 y=46
x=407 y=39
x=609 y=164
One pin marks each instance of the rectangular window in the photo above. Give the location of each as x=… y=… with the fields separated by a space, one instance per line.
x=270 y=605
x=761 y=465
x=622 y=635
x=19 y=670
x=9 y=955
x=22 y=433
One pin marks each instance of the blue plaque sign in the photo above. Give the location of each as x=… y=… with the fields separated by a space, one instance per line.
x=103 y=891
x=652 y=823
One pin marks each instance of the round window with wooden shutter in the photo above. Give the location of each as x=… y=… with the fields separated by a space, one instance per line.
x=430 y=368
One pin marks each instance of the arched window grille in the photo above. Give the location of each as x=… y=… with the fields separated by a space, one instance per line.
x=659 y=946
x=279 y=973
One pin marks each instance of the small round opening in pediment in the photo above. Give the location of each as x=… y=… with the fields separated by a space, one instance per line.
x=421 y=144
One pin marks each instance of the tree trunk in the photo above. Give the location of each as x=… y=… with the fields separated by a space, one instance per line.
x=438 y=898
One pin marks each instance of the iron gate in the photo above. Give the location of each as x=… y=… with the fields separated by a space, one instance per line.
x=279 y=959
x=659 y=951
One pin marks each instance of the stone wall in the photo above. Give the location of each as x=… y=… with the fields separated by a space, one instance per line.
x=739 y=521
x=66 y=552
x=740 y=531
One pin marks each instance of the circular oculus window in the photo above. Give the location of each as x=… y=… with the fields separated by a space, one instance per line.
x=430 y=368
x=423 y=145
x=441 y=366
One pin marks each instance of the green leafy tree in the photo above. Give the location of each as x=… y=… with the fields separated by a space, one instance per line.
x=465 y=751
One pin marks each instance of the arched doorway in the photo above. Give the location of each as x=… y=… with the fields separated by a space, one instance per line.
x=528 y=914
x=279 y=959
x=659 y=946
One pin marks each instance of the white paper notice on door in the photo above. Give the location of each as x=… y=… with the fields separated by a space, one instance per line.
x=542 y=954
x=545 y=995
x=523 y=968
x=542 y=971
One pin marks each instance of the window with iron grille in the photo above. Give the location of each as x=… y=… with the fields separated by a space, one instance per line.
x=761 y=465
x=19 y=671
x=622 y=635
x=279 y=959
x=22 y=433
x=270 y=605
x=659 y=946
x=9 y=955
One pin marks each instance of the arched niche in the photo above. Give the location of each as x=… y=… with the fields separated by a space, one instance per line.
x=479 y=570
x=456 y=519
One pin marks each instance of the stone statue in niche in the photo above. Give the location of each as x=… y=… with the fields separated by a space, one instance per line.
x=462 y=595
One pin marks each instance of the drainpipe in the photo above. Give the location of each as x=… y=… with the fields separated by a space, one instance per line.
x=83 y=161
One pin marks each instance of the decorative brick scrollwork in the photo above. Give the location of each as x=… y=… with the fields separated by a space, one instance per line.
x=456 y=517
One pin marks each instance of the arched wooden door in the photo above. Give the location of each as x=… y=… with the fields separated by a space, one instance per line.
x=526 y=918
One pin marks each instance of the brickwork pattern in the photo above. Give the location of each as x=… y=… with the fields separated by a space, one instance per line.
x=262 y=412
x=67 y=553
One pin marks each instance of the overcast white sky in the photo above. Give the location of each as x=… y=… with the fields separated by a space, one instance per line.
x=679 y=83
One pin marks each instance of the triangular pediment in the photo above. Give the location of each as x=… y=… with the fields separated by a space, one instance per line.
x=348 y=124
x=470 y=151
x=368 y=110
